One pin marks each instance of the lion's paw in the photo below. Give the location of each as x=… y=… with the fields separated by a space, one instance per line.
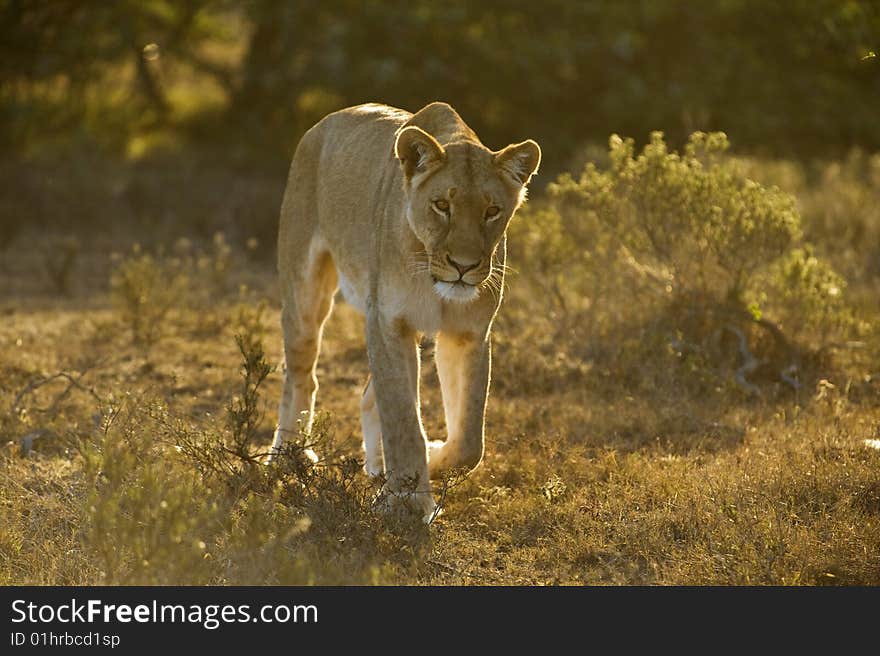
x=375 y=467
x=419 y=503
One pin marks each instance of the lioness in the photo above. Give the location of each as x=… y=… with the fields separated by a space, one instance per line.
x=406 y=214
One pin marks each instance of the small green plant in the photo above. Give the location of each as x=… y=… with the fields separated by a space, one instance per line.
x=243 y=413
x=233 y=453
x=145 y=288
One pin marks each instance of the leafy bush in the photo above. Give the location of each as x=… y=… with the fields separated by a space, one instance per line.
x=691 y=221
x=686 y=250
x=146 y=288
x=144 y=291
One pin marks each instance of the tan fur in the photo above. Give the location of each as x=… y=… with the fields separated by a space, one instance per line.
x=391 y=207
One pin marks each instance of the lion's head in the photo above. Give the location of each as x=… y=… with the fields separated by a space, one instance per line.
x=461 y=197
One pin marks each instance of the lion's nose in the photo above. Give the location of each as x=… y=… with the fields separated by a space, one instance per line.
x=462 y=268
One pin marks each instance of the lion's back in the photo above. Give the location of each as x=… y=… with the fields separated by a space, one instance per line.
x=342 y=170
x=356 y=136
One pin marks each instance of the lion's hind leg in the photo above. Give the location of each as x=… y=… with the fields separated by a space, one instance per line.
x=374 y=462
x=307 y=302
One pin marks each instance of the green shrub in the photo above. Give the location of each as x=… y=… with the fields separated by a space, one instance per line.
x=147 y=288
x=144 y=290
x=691 y=220
x=839 y=201
x=682 y=248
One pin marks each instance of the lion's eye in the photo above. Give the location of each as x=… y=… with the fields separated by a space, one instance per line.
x=441 y=205
x=492 y=212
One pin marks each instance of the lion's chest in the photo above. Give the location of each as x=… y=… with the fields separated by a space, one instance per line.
x=417 y=305
x=397 y=300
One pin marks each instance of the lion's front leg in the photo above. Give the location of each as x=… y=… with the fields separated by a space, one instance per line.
x=463 y=364
x=394 y=365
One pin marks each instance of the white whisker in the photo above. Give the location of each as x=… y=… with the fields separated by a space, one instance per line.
x=503 y=267
x=494 y=282
x=493 y=291
x=418 y=263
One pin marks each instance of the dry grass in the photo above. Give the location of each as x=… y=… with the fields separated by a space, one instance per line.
x=605 y=469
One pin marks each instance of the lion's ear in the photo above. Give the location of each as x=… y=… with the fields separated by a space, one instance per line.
x=417 y=151
x=520 y=161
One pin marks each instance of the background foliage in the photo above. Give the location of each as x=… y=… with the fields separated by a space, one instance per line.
x=774 y=73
